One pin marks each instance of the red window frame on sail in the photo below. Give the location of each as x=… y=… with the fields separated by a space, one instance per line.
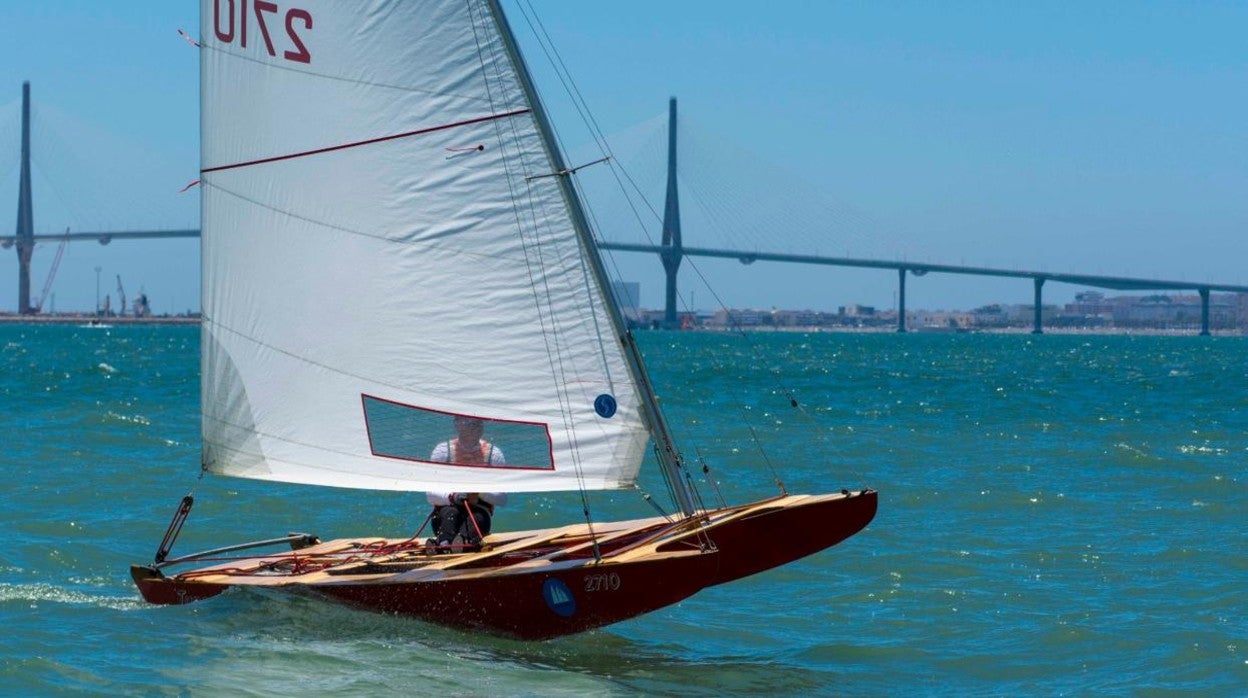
x=404 y=432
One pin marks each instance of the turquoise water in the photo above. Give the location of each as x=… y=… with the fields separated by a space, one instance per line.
x=1058 y=515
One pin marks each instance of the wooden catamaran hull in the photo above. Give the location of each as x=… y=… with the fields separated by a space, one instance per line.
x=547 y=583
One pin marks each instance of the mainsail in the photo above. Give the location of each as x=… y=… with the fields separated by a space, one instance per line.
x=386 y=246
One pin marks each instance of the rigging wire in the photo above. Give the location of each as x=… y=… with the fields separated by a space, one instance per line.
x=554 y=334
x=763 y=452
x=586 y=114
x=706 y=474
x=10 y=127
x=132 y=202
x=586 y=117
x=582 y=107
x=753 y=198
x=565 y=78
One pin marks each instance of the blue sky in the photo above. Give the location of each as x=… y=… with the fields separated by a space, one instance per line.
x=1086 y=137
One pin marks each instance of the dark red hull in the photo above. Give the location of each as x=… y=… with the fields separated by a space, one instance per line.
x=543 y=584
x=778 y=535
x=540 y=605
x=171 y=591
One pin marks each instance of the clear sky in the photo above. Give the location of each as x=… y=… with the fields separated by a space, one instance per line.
x=1085 y=137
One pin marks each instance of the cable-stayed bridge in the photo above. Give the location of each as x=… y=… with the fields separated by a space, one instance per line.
x=669 y=247
x=75 y=181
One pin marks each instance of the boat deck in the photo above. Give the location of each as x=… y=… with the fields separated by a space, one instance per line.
x=580 y=578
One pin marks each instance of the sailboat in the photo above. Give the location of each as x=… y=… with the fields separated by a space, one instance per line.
x=391 y=240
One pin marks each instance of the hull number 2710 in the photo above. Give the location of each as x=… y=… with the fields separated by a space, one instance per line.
x=602 y=582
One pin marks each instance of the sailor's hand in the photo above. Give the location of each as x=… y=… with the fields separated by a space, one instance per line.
x=458 y=497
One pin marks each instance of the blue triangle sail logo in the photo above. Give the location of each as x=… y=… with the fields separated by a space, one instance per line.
x=559 y=597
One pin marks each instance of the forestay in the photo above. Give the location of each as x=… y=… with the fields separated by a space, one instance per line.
x=381 y=253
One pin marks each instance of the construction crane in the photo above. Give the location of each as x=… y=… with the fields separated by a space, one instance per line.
x=56 y=262
x=121 y=298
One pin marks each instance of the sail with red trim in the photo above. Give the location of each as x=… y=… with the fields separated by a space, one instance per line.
x=387 y=247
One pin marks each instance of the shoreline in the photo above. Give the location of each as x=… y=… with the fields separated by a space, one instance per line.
x=1090 y=331
x=85 y=319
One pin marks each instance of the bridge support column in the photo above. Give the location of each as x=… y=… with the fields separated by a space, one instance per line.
x=1204 y=312
x=672 y=253
x=1036 y=325
x=901 y=300
x=25 y=214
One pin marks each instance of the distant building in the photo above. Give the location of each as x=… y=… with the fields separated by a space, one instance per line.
x=1153 y=311
x=740 y=318
x=1090 y=303
x=800 y=318
x=940 y=319
x=990 y=316
x=855 y=310
x=1091 y=310
x=141 y=306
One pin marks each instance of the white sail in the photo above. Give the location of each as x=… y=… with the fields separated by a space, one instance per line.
x=384 y=249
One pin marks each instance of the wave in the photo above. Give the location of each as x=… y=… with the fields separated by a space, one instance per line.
x=49 y=593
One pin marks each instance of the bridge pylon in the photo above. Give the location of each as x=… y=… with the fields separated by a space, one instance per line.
x=25 y=232
x=672 y=253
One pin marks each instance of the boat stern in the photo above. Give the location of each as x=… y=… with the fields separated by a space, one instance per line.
x=156 y=588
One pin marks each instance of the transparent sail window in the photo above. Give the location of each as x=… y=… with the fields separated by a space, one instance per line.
x=407 y=432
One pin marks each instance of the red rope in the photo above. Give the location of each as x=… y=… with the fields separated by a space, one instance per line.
x=303 y=565
x=370 y=141
x=473 y=519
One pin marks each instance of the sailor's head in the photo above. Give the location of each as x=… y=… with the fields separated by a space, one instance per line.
x=469 y=428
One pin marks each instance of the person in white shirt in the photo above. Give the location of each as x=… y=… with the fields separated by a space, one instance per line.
x=451 y=513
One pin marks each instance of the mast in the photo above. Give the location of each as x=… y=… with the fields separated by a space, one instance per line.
x=669 y=457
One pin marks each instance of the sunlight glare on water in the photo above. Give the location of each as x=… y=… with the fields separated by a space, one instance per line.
x=1058 y=514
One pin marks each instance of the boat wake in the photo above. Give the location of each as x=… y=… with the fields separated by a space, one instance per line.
x=381 y=653
x=38 y=593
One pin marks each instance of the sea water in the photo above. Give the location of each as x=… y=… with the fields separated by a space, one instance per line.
x=1058 y=515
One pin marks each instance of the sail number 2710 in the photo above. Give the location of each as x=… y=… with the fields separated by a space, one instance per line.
x=602 y=582
x=231 y=19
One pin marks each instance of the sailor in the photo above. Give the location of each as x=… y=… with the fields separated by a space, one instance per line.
x=464 y=515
